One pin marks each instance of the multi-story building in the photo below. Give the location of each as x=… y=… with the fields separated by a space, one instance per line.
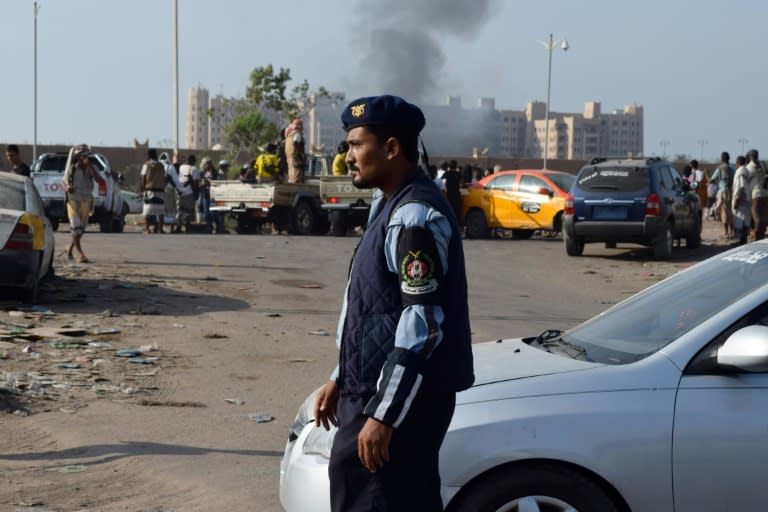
x=571 y=135
x=196 y=129
x=323 y=126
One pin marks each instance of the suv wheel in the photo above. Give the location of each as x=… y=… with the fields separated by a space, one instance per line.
x=693 y=240
x=573 y=247
x=662 y=248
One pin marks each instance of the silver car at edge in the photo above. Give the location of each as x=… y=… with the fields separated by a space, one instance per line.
x=657 y=404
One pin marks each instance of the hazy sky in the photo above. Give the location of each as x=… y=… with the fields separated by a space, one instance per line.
x=105 y=66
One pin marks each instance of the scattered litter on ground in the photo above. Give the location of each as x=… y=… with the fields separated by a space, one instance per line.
x=215 y=336
x=74 y=468
x=319 y=333
x=273 y=315
x=179 y=326
x=299 y=360
x=261 y=418
x=234 y=401
x=158 y=403
x=139 y=360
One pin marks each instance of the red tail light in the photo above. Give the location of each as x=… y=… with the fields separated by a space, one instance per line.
x=333 y=200
x=569 y=209
x=219 y=203
x=21 y=238
x=265 y=204
x=102 y=186
x=652 y=205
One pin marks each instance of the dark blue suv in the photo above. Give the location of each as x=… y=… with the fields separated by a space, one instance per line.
x=631 y=200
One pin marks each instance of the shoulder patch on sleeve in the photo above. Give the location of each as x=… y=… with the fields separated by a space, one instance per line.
x=419 y=267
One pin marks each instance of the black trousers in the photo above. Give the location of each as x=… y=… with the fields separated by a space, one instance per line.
x=411 y=479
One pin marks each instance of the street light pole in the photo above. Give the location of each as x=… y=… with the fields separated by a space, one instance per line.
x=36 y=8
x=175 y=77
x=702 y=143
x=550 y=45
x=743 y=143
x=664 y=143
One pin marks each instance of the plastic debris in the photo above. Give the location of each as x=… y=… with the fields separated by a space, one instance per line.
x=108 y=330
x=69 y=366
x=319 y=333
x=99 y=344
x=75 y=468
x=261 y=418
x=215 y=336
x=273 y=315
x=179 y=326
x=234 y=401
x=128 y=352
x=139 y=360
x=149 y=347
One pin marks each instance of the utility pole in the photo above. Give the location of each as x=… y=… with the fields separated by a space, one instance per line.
x=36 y=8
x=175 y=77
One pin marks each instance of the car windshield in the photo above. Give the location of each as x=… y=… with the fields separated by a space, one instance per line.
x=563 y=181
x=622 y=179
x=649 y=321
x=12 y=195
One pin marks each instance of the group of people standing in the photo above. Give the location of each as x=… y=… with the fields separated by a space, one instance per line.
x=736 y=195
x=179 y=191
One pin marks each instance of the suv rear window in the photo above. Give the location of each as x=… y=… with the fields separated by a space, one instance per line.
x=622 y=179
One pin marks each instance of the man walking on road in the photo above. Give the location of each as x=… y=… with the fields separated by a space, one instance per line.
x=154 y=178
x=759 y=177
x=404 y=333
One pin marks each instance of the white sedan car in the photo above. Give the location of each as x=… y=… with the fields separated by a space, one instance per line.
x=26 y=236
x=658 y=404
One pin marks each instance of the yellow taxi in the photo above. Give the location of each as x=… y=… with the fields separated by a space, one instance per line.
x=522 y=201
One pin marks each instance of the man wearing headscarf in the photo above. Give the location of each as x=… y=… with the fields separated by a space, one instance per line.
x=294 y=151
x=78 y=182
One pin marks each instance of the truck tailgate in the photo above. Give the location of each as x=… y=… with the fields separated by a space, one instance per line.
x=235 y=193
x=342 y=189
x=49 y=185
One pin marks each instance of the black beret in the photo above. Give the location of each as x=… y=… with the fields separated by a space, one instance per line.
x=382 y=110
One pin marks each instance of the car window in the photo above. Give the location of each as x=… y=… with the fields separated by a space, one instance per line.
x=651 y=320
x=12 y=196
x=618 y=178
x=532 y=184
x=505 y=182
x=665 y=179
x=58 y=162
x=563 y=181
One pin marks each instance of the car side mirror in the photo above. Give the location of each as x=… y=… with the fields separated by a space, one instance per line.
x=746 y=349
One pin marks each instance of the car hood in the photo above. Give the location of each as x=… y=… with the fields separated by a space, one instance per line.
x=513 y=359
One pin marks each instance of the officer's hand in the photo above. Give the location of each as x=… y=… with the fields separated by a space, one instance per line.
x=325 y=405
x=373 y=444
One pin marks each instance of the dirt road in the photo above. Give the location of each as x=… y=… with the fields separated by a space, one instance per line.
x=234 y=331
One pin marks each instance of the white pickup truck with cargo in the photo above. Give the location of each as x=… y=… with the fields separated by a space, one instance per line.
x=292 y=207
x=109 y=208
x=347 y=205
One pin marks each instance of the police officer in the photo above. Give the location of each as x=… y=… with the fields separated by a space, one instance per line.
x=404 y=334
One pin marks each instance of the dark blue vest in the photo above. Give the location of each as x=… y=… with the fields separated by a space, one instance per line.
x=374 y=305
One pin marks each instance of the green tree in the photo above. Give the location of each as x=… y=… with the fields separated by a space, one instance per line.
x=270 y=89
x=249 y=130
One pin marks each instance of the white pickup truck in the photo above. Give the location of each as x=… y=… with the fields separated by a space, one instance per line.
x=347 y=205
x=293 y=207
x=109 y=207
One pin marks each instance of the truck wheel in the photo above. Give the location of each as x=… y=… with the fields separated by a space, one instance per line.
x=338 y=223
x=304 y=219
x=118 y=224
x=105 y=224
x=662 y=247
